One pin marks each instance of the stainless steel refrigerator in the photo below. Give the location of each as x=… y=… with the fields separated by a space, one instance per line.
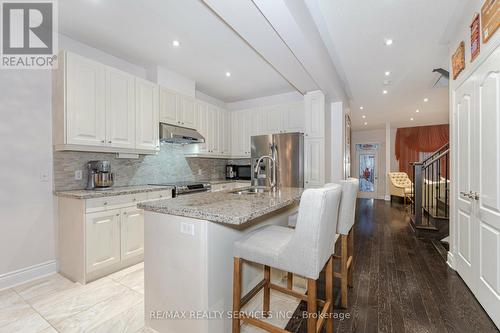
x=288 y=149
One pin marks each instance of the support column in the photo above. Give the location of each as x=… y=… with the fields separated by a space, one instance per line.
x=387 y=159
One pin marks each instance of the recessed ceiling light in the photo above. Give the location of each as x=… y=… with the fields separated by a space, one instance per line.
x=417 y=110
x=426 y=99
x=361 y=107
x=366 y=123
x=412 y=119
x=363 y=116
x=228 y=74
x=389 y=42
x=176 y=43
x=387 y=73
x=385 y=92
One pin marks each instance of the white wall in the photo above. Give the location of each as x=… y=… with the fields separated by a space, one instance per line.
x=263 y=101
x=172 y=80
x=26 y=208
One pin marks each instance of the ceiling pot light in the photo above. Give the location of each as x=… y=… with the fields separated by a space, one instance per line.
x=228 y=74
x=389 y=42
x=426 y=100
x=387 y=73
x=366 y=123
x=363 y=116
x=411 y=119
x=417 y=110
x=385 y=92
x=361 y=107
x=176 y=43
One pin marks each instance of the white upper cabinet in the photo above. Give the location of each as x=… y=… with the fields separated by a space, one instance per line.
x=213 y=130
x=294 y=118
x=186 y=111
x=120 y=109
x=168 y=106
x=147 y=114
x=85 y=102
x=315 y=114
x=101 y=109
x=225 y=133
x=177 y=109
x=274 y=119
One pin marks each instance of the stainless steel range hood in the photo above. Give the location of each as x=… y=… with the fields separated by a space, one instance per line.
x=182 y=135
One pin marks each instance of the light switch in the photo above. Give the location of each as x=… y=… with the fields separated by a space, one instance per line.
x=44 y=176
x=78 y=175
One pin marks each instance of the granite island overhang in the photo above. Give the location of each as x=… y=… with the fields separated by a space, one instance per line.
x=189 y=249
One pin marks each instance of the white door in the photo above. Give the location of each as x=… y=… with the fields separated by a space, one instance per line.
x=102 y=238
x=120 y=109
x=314 y=163
x=186 y=113
x=464 y=99
x=168 y=107
x=147 y=115
x=367 y=172
x=85 y=98
x=132 y=233
x=487 y=184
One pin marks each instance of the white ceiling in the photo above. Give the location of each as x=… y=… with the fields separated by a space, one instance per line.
x=142 y=32
x=357 y=31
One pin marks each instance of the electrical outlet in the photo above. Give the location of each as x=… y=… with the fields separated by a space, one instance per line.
x=200 y=172
x=44 y=176
x=187 y=228
x=78 y=175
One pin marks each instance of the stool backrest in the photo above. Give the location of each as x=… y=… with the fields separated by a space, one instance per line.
x=314 y=235
x=347 y=204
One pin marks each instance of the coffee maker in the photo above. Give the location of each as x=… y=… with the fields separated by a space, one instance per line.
x=100 y=176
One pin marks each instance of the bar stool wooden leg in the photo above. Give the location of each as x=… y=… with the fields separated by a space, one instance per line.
x=350 y=253
x=343 y=271
x=311 y=306
x=329 y=294
x=267 y=289
x=289 y=281
x=236 y=294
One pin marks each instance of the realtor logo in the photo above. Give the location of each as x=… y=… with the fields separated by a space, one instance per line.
x=29 y=34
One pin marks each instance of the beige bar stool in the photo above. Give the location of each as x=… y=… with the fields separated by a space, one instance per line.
x=304 y=250
x=344 y=228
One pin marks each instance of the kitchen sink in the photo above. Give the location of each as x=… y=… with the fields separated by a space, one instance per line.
x=252 y=190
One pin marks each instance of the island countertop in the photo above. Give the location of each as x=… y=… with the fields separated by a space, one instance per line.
x=225 y=206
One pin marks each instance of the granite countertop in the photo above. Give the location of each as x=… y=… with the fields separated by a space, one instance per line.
x=114 y=191
x=226 y=207
x=226 y=181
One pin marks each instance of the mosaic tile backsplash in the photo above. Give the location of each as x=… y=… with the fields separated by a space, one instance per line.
x=169 y=165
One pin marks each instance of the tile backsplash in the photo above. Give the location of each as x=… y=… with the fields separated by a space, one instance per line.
x=169 y=165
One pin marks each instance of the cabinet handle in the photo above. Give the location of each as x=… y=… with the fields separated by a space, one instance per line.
x=125 y=213
x=134 y=199
x=102 y=141
x=105 y=203
x=117 y=214
x=109 y=141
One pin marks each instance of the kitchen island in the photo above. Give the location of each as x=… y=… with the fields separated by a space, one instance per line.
x=189 y=250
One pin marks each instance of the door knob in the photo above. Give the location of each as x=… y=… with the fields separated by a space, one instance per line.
x=465 y=194
x=474 y=195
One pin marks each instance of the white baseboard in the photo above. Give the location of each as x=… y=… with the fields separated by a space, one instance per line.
x=387 y=198
x=451 y=260
x=27 y=274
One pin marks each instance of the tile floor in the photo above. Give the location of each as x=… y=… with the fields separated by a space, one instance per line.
x=112 y=304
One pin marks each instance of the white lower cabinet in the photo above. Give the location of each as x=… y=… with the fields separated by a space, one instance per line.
x=102 y=231
x=314 y=163
x=132 y=233
x=102 y=235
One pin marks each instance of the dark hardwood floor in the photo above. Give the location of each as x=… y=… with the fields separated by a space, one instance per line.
x=401 y=283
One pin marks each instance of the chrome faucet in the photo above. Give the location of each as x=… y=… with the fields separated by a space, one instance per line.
x=274 y=177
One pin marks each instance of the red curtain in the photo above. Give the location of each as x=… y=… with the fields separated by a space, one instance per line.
x=411 y=141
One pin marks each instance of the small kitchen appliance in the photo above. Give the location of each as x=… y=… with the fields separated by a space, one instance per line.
x=231 y=172
x=100 y=176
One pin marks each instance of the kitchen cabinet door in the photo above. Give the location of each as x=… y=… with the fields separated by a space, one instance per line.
x=293 y=118
x=185 y=111
x=314 y=163
x=168 y=107
x=213 y=130
x=225 y=133
x=258 y=121
x=315 y=114
x=102 y=240
x=147 y=115
x=85 y=101
x=202 y=125
x=132 y=233
x=274 y=119
x=120 y=109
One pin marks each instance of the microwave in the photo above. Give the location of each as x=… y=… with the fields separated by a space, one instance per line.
x=243 y=172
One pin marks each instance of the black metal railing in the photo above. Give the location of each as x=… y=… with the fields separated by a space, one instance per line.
x=431 y=187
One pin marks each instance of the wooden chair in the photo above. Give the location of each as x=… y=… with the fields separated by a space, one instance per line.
x=304 y=250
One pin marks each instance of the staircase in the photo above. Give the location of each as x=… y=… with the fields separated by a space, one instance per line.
x=430 y=208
